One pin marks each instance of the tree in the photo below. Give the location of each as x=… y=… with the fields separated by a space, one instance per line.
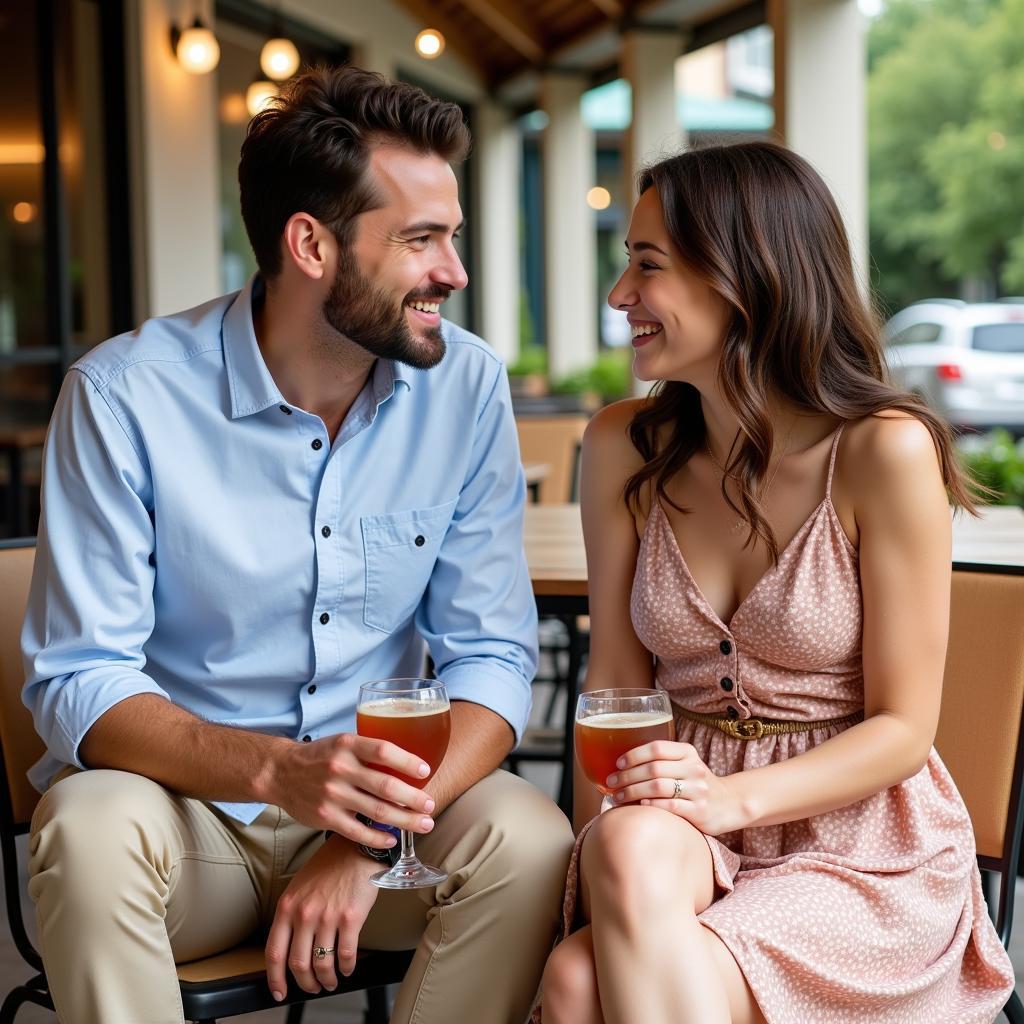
x=945 y=90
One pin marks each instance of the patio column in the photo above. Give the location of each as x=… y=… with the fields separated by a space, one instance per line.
x=495 y=278
x=649 y=65
x=820 y=101
x=569 y=234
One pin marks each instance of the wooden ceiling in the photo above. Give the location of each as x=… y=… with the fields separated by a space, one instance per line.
x=500 y=38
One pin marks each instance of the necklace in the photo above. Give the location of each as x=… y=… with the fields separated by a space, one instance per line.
x=740 y=523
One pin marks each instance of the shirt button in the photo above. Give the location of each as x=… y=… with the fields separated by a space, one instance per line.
x=312 y=688
x=325 y=531
x=307 y=739
x=317 y=444
x=732 y=712
x=725 y=647
x=726 y=683
x=324 y=619
x=286 y=410
x=420 y=541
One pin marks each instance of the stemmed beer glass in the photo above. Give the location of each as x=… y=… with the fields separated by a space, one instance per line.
x=611 y=722
x=414 y=714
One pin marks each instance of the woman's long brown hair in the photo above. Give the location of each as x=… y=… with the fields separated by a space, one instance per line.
x=758 y=224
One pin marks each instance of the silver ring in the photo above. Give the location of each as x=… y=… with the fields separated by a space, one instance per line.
x=677 y=790
x=322 y=952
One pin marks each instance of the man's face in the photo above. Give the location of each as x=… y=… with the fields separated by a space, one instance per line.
x=402 y=262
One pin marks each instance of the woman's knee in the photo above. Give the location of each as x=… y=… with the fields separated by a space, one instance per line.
x=569 y=986
x=625 y=845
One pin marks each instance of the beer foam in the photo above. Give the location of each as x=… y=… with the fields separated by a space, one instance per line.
x=402 y=707
x=625 y=720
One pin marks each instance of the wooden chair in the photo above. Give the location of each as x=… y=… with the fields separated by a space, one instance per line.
x=981 y=728
x=224 y=985
x=556 y=442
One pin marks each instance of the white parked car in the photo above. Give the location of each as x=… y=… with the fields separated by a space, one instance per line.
x=966 y=360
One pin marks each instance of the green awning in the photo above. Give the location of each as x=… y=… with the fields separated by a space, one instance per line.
x=608 y=109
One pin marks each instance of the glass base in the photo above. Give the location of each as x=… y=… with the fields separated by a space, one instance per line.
x=408 y=874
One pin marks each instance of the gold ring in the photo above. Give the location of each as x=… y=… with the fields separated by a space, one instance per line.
x=322 y=952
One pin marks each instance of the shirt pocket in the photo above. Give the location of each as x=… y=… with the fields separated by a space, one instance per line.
x=399 y=551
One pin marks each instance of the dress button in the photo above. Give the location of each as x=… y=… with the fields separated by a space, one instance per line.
x=325 y=531
x=420 y=541
x=307 y=739
x=726 y=683
x=317 y=444
x=732 y=712
x=286 y=410
x=312 y=688
x=324 y=619
x=725 y=647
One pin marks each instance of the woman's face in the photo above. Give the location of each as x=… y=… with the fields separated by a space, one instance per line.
x=678 y=321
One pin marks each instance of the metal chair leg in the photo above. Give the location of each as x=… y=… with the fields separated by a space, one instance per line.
x=1014 y=1009
x=376 y=1006
x=31 y=992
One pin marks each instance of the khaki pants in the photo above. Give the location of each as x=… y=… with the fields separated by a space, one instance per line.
x=128 y=878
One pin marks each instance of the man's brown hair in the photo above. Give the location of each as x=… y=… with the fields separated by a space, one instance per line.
x=308 y=151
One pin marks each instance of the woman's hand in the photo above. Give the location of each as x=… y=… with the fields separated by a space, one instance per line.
x=671 y=776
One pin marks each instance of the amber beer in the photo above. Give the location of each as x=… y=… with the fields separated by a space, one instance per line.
x=419 y=726
x=603 y=738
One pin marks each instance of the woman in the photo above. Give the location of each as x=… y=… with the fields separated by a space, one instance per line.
x=768 y=540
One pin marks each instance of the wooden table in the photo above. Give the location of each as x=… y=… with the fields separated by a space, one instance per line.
x=553 y=537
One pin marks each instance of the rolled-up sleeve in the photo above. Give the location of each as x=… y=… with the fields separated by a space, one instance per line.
x=479 y=616
x=90 y=607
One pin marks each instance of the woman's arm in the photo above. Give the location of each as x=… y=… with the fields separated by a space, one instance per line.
x=891 y=470
x=617 y=658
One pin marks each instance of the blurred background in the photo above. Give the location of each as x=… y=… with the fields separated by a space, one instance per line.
x=121 y=121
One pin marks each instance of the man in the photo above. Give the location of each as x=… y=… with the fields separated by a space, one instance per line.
x=251 y=508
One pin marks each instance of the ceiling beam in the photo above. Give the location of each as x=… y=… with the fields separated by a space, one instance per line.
x=426 y=12
x=509 y=21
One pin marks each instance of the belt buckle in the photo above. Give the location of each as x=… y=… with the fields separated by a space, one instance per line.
x=749 y=729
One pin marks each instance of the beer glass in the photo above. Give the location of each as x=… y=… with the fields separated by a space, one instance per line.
x=611 y=722
x=414 y=714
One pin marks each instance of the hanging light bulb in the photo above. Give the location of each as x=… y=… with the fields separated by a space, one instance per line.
x=279 y=58
x=196 y=48
x=429 y=44
x=258 y=95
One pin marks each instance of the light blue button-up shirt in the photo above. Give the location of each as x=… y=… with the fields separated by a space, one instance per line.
x=203 y=540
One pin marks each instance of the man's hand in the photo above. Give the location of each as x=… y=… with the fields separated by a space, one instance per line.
x=325 y=904
x=325 y=783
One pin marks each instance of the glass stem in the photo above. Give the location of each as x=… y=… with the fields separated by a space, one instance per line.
x=408 y=853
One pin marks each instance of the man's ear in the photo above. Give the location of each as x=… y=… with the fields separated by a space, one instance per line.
x=309 y=246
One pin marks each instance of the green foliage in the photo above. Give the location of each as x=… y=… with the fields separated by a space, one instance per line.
x=946 y=146
x=609 y=376
x=998 y=464
x=532 y=359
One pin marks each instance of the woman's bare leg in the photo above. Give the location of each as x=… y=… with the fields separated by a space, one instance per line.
x=569 y=988
x=646 y=876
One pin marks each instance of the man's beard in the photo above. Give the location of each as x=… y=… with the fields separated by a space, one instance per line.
x=366 y=315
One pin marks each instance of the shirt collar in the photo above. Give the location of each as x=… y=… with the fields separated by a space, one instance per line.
x=250 y=383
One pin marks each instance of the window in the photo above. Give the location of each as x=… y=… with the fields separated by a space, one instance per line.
x=918 y=334
x=242 y=29
x=999 y=338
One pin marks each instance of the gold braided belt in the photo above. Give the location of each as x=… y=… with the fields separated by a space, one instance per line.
x=755 y=728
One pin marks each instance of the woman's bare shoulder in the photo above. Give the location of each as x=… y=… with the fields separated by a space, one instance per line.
x=608 y=430
x=888 y=442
